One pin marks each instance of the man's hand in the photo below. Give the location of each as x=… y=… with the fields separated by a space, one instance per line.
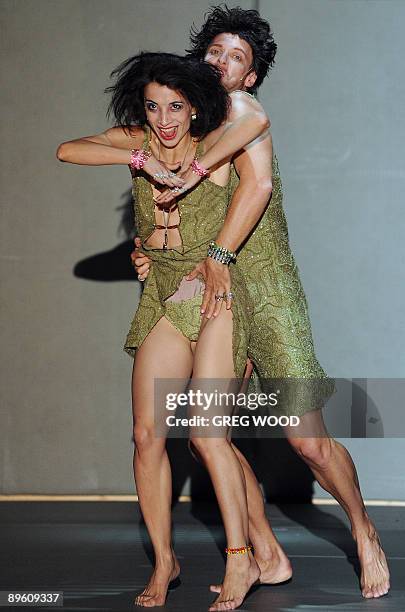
x=217 y=280
x=140 y=261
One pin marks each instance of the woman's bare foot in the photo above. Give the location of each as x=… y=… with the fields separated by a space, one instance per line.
x=274 y=568
x=155 y=593
x=375 y=576
x=241 y=573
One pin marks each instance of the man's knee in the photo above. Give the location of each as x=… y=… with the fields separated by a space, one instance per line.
x=314 y=451
x=206 y=447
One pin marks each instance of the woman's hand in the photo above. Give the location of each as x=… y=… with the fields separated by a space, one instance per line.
x=161 y=174
x=189 y=178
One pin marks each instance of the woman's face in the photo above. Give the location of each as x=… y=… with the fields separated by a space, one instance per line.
x=168 y=113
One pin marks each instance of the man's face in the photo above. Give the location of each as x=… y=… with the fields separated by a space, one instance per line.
x=234 y=58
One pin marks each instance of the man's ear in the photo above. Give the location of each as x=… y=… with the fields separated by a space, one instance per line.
x=250 y=79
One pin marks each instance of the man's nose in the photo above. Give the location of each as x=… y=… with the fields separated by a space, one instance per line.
x=223 y=58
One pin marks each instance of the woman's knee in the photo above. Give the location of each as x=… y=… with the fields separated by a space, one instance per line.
x=145 y=438
x=314 y=451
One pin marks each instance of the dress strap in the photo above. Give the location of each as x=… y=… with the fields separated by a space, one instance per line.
x=199 y=149
x=146 y=138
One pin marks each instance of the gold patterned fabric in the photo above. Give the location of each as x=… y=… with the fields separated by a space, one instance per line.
x=202 y=213
x=280 y=344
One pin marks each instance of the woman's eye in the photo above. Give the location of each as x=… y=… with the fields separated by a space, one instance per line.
x=177 y=106
x=150 y=106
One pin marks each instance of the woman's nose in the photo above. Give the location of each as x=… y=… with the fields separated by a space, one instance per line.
x=164 y=117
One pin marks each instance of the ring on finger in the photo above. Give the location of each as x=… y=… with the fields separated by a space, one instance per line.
x=230 y=295
x=218 y=298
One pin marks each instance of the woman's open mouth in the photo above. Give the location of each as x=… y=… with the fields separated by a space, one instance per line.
x=168 y=133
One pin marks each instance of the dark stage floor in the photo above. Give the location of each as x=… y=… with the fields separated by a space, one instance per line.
x=97 y=554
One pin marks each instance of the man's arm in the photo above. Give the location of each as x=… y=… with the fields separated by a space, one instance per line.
x=254 y=167
x=247 y=206
x=251 y=197
x=246 y=122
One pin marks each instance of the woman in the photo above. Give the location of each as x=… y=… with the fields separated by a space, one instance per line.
x=175 y=109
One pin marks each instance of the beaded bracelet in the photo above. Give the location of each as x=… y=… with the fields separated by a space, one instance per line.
x=220 y=254
x=197 y=168
x=238 y=551
x=138 y=158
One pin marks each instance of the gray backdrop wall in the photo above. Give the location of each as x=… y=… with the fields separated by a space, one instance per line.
x=335 y=99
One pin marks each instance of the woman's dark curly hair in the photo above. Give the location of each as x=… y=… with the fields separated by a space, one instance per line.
x=247 y=24
x=197 y=81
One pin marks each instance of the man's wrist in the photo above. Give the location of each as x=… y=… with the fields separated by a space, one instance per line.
x=220 y=254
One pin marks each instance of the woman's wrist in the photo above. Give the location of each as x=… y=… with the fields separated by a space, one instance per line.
x=138 y=158
x=198 y=167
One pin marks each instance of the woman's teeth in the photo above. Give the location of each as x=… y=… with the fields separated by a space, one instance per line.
x=168 y=133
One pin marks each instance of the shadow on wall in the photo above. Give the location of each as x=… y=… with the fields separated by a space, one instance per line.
x=115 y=264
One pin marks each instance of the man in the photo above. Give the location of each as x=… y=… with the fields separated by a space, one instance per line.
x=241 y=45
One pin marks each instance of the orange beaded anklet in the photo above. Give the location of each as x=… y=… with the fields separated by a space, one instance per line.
x=238 y=551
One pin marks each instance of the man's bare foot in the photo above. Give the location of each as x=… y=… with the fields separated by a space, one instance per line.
x=274 y=569
x=155 y=593
x=375 y=576
x=241 y=573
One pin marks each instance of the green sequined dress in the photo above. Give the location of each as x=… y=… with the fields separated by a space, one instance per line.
x=202 y=213
x=280 y=343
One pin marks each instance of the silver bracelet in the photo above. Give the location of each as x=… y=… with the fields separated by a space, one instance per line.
x=221 y=254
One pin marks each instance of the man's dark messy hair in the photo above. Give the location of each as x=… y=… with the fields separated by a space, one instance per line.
x=247 y=24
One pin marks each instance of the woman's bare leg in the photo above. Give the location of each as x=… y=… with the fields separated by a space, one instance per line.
x=165 y=353
x=335 y=471
x=274 y=564
x=213 y=359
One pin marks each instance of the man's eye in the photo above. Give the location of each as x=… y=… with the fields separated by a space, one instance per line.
x=214 y=51
x=237 y=58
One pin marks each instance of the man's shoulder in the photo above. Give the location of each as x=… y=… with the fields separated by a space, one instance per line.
x=242 y=103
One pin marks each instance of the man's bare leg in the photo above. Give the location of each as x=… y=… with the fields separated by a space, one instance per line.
x=334 y=469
